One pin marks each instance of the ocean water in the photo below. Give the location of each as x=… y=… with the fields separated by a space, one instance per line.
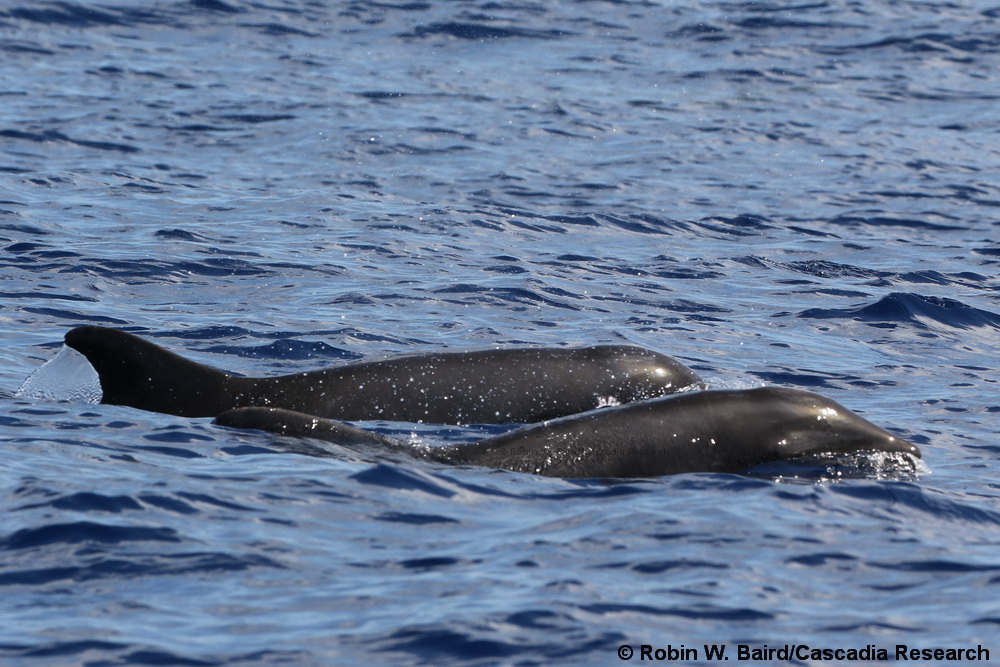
x=803 y=194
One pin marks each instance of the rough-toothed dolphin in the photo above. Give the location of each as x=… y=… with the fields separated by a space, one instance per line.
x=519 y=385
x=702 y=431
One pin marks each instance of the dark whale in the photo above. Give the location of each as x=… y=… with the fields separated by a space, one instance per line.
x=519 y=385
x=702 y=431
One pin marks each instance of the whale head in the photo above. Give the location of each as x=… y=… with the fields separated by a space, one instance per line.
x=798 y=423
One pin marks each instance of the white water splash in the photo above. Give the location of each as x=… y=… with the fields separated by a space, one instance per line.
x=66 y=377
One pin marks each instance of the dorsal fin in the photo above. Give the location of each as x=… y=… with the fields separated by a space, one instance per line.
x=140 y=374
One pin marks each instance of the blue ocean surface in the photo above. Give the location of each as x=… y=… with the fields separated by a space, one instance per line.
x=794 y=194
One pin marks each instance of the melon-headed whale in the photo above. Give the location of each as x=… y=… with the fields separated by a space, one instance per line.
x=519 y=385
x=701 y=431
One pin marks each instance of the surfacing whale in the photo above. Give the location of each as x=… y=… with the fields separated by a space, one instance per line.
x=519 y=385
x=702 y=431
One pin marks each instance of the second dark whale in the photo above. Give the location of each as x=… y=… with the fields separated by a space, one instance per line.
x=701 y=431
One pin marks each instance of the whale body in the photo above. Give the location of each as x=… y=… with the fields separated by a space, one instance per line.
x=702 y=431
x=517 y=385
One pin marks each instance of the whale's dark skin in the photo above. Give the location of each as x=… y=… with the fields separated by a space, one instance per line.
x=520 y=385
x=703 y=431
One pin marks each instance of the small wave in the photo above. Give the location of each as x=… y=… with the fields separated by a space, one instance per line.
x=935 y=565
x=202 y=333
x=821 y=559
x=117 y=568
x=642 y=223
x=429 y=564
x=740 y=225
x=729 y=75
x=84 y=532
x=922 y=43
x=697 y=612
x=701 y=32
x=138 y=270
x=77 y=16
x=505 y=214
x=215 y=6
x=578 y=490
x=398 y=478
x=379 y=95
x=257 y=118
x=413 y=519
x=149 y=269
x=444 y=643
x=673 y=565
x=524 y=637
x=48 y=136
x=798 y=378
x=913 y=309
x=482 y=32
x=495 y=295
x=288 y=350
x=770 y=23
x=822 y=268
x=66 y=648
x=935 y=504
x=74 y=317
x=279 y=29
x=178 y=437
x=888 y=221
x=118 y=653
x=86 y=501
x=47 y=295
x=182 y=235
x=965 y=278
x=32 y=49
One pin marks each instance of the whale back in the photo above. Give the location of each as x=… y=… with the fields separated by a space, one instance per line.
x=511 y=385
x=706 y=431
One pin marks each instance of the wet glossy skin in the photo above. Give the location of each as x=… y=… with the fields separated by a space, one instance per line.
x=702 y=431
x=518 y=385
